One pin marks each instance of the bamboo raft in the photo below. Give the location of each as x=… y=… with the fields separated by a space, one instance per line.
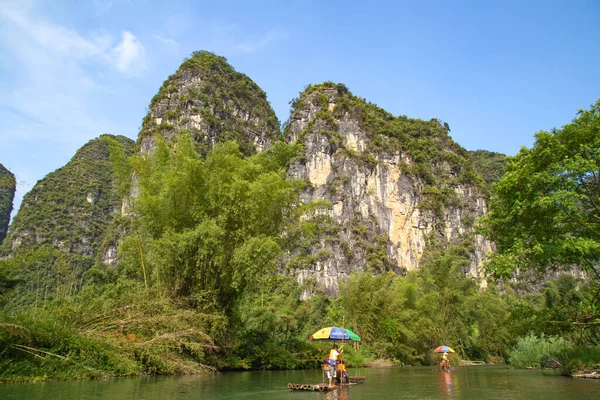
x=352 y=381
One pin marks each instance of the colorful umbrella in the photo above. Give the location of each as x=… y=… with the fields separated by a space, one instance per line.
x=443 y=349
x=334 y=333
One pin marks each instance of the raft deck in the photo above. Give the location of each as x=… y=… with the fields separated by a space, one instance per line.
x=353 y=380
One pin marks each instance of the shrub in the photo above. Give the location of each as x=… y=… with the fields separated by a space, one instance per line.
x=532 y=351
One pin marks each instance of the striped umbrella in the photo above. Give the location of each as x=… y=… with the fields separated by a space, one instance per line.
x=443 y=349
x=333 y=334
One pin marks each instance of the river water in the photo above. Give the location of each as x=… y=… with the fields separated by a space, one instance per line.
x=488 y=382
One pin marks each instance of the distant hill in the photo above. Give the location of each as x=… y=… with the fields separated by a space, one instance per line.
x=7 y=194
x=61 y=224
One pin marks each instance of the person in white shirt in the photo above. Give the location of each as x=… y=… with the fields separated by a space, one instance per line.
x=333 y=357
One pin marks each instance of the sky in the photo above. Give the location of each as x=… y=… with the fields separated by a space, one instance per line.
x=497 y=72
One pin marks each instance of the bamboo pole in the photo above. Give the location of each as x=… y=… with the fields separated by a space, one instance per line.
x=142 y=258
x=343 y=334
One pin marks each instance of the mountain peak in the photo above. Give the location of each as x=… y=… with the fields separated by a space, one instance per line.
x=209 y=100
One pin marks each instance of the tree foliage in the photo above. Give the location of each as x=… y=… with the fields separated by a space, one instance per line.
x=208 y=228
x=545 y=212
x=404 y=318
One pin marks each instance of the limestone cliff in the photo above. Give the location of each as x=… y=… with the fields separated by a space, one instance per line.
x=209 y=100
x=387 y=186
x=7 y=194
x=63 y=221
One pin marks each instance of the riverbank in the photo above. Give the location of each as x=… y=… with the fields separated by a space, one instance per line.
x=588 y=375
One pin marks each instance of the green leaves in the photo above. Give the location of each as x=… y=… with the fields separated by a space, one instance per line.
x=211 y=226
x=404 y=318
x=257 y=256
x=547 y=206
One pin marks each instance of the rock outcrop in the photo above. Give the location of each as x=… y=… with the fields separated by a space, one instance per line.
x=384 y=188
x=8 y=186
x=381 y=188
x=210 y=101
x=67 y=217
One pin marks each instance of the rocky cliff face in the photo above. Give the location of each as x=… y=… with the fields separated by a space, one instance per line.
x=387 y=187
x=207 y=99
x=8 y=186
x=381 y=188
x=64 y=220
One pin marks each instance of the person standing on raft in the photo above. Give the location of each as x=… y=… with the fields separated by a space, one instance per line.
x=445 y=363
x=333 y=358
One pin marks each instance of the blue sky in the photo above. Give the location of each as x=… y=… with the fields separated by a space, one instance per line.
x=497 y=72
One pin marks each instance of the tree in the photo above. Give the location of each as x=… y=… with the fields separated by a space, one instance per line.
x=546 y=208
x=207 y=229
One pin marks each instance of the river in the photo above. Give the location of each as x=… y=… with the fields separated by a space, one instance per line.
x=488 y=382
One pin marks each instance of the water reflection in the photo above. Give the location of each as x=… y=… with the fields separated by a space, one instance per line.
x=446 y=384
x=339 y=394
x=472 y=383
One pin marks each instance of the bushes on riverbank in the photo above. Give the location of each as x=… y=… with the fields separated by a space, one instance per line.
x=578 y=359
x=107 y=331
x=121 y=328
x=554 y=352
x=532 y=351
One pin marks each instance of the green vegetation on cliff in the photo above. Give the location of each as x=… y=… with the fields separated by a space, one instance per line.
x=8 y=186
x=359 y=139
x=433 y=157
x=489 y=165
x=58 y=232
x=213 y=103
x=436 y=158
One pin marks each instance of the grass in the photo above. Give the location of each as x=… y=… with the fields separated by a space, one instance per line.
x=531 y=351
x=556 y=353
x=92 y=338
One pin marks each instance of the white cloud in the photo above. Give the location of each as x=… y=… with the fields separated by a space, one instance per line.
x=52 y=82
x=49 y=82
x=64 y=41
x=252 y=46
x=129 y=55
x=53 y=76
x=166 y=40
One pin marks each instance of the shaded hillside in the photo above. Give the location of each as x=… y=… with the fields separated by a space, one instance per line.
x=490 y=165
x=7 y=194
x=212 y=102
x=389 y=186
x=60 y=227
